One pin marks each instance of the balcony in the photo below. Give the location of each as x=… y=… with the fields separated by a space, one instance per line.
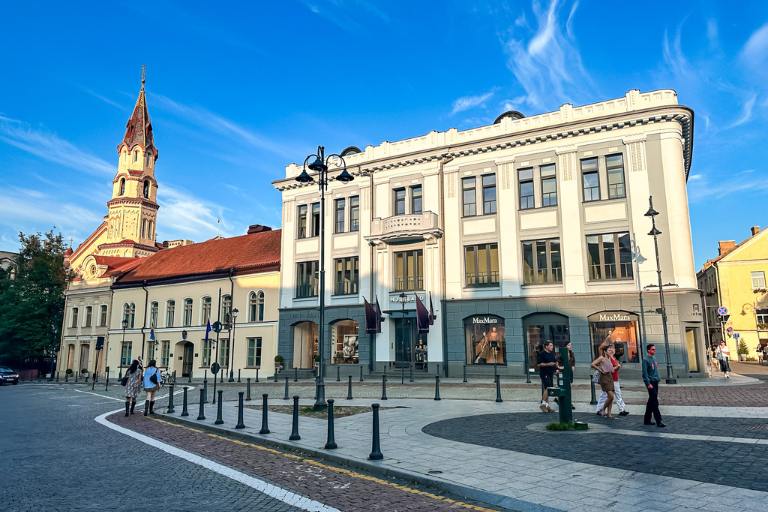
x=401 y=229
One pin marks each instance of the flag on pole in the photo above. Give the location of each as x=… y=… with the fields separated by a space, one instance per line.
x=432 y=315
x=422 y=315
x=151 y=335
x=207 y=330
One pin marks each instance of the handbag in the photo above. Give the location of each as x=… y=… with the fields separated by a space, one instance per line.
x=124 y=380
x=153 y=378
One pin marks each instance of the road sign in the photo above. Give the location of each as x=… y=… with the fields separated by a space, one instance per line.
x=736 y=335
x=729 y=330
x=217 y=326
x=722 y=311
x=215 y=367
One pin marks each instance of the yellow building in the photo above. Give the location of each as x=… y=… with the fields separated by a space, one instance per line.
x=736 y=280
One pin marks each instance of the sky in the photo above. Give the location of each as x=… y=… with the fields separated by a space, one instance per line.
x=237 y=90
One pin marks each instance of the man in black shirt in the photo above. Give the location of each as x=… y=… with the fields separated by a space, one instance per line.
x=547 y=361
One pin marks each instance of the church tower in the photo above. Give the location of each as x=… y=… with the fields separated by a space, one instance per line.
x=132 y=216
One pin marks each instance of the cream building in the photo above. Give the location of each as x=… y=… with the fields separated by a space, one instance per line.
x=167 y=301
x=528 y=229
x=736 y=280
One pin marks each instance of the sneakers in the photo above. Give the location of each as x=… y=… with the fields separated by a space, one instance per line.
x=624 y=413
x=544 y=407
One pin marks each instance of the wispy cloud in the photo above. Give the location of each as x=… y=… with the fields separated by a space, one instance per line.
x=104 y=99
x=547 y=64
x=346 y=14
x=703 y=187
x=50 y=147
x=746 y=112
x=469 y=102
x=185 y=215
x=755 y=51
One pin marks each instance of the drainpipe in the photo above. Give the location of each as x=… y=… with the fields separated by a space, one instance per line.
x=441 y=176
x=144 y=322
x=231 y=322
x=372 y=286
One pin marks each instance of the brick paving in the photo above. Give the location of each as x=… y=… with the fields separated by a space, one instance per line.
x=746 y=395
x=338 y=487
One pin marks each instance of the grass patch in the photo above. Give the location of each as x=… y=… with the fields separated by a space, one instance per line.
x=559 y=427
x=339 y=411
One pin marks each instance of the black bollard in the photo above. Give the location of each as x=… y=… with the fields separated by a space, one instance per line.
x=285 y=395
x=593 y=400
x=189 y=378
x=240 y=423
x=464 y=374
x=205 y=390
x=349 y=388
x=106 y=381
x=384 y=387
x=184 y=411
x=238 y=375
x=376 y=444
x=402 y=375
x=330 y=443
x=214 y=389
x=57 y=375
x=495 y=372
x=275 y=374
x=361 y=373
x=295 y=426
x=257 y=374
x=265 y=413
x=76 y=375
x=437 y=387
x=119 y=373
x=66 y=378
x=295 y=374
x=221 y=380
x=498 y=389
x=248 y=388
x=219 y=411
x=201 y=414
x=338 y=373
x=171 y=409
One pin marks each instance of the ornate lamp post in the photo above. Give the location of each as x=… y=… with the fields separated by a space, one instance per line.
x=120 y=371
x=318 y=163
x=232 y=343
x=654 y=232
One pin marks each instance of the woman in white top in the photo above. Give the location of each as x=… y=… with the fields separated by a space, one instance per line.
x=724 y=356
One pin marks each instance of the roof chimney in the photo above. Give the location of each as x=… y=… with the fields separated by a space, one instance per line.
x=258 y=228
x=755 y=230
x=725 y=246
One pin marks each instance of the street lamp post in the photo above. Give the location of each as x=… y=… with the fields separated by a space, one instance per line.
x=654 y=232
x=232 y=344
x=120 y=371
x=319 y=164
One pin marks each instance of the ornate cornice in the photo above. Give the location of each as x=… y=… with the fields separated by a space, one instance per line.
x=132 y=201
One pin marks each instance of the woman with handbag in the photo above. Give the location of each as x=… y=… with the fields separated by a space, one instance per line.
x=132 y=382
x=152 y=381
x=606 y=368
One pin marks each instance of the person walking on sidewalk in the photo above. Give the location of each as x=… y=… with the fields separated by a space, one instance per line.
x=132 y=384
x=610 y=351
x=547 y=361
x=651 y=380
x=152 y=381
x=605 y=368
x=724 y=356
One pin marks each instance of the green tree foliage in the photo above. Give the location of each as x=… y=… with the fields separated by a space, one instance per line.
x=32 y=304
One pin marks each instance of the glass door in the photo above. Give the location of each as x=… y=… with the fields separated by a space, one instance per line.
x=404 y=337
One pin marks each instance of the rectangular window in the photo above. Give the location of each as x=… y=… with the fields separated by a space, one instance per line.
x=75 y=312
x=306 y=279
x=153 y=315
x=254 y=353
x=548 y=185
x=469 y=197
x=226 y=311
x=151 y=351
x=614 y=164
x=761 y=315
x=399 y=207
x=354 y=213
x=170 y=313
x=125 y=353
x=339 y=210
x=610 y=256
x=301 y=221
x=315 y=219
x=409 y=270
x=542 y=262
x=346 y=276
x=206 y=313
x=590 y=179
x=103 y=316
x=489 y=194
x=165 y=353
x=224 y=352
x=188 y=312
x=88 y=316
x=481 y=265
x=525 y=185
x=206 y=360
x=758 y=280
x=416 y=199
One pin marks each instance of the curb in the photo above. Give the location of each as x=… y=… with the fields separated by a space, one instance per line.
x=486 y=497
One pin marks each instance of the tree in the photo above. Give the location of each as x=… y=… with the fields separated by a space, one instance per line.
x=32 y=304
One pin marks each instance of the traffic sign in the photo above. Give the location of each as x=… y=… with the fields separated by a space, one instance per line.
x=736 y=335
x=722 y=311
x=729 y=330
x=217 y=326
x=215 y=367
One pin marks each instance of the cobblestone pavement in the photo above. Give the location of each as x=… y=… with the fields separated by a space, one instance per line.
x=731 y=464
x=55 y=457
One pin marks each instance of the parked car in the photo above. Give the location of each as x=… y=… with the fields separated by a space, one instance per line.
x=8 y=376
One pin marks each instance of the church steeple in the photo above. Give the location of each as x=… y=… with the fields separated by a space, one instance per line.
x=138 y=131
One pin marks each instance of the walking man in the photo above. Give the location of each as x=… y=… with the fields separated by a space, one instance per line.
x=651 y=380
x=547 y=367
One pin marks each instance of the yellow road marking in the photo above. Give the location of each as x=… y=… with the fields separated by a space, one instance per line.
x=341 y=471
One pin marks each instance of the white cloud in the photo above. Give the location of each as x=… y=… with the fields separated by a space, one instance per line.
x=31 y=210
x=704 y=188
x=712 y=34
x=50 y=147
x=548 y=64
x=104 y=99
x=755 y=51
x=746 y=112
x=184 y=215
x=469 y=102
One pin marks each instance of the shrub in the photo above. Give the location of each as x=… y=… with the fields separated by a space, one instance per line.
x=742 y=349
x=279 y=359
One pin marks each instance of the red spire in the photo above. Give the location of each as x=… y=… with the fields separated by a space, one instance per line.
x=138 y=131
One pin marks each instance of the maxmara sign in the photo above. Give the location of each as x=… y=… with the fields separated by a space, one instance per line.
x=485 y=320
x=613 y=316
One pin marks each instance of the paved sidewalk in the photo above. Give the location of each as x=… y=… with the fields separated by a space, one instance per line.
x=515 y=476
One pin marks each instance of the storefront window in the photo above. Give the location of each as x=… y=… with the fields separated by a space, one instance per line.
x=542 y=327
x=305 y=346
x=345 y=343
x=485 y=339
x=618 y=328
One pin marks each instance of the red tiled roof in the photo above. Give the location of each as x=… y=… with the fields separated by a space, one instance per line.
x=258 y=251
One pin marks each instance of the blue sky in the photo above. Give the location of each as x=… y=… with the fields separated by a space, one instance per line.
x=236 y=90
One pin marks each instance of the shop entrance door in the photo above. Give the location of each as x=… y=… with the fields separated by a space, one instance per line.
x=189 y=355
x=405 y=335
x=691 y=343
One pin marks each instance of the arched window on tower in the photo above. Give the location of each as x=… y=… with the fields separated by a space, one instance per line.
x=122 y=186
x=146 y=189
x=136 y=155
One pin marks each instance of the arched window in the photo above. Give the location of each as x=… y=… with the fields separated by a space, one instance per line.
x=226 y=310
x=153 y=315
x=129 y=314
x=187 y=312
x=170 y=312
x=206 y=310
x=146 y=189
x=136 y=155
x=122 y=186
x=256 y=307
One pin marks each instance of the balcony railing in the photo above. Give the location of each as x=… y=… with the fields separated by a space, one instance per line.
x=405 y=228
x=482 y=279
x=304 y=291
x=406 y=284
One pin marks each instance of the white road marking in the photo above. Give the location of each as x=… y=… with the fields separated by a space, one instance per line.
x=100 y=395
x=278 y=493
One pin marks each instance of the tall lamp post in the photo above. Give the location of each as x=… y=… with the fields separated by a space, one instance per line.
x=232 y=344
x=318 y=163
x=654 y=232
x=120 y=371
